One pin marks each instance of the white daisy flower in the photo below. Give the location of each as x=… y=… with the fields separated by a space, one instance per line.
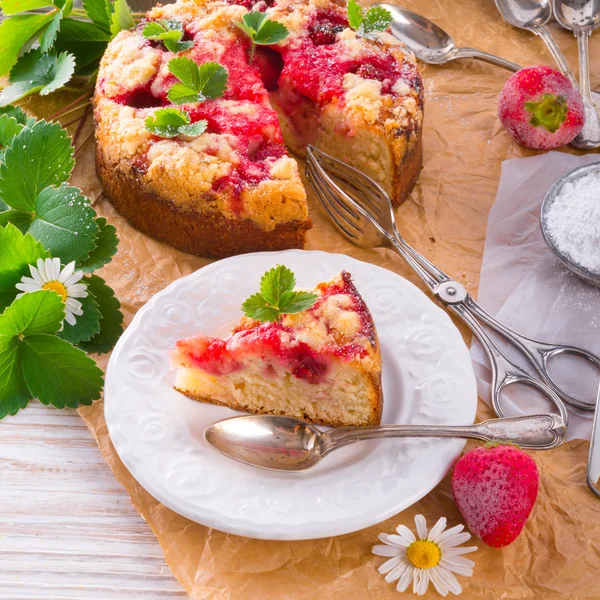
x=433 y=556
x=48 y=276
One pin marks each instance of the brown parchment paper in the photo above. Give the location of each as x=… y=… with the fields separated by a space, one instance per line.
x=558 y=553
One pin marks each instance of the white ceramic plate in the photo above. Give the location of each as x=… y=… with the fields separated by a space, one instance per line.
x=158 y=433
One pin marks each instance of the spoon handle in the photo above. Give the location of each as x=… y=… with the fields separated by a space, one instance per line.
x=537 y=432
x=486 y=57
x=557 y=55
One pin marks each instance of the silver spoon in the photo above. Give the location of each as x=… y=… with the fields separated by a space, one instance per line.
x=582 y=17
x=432 y=45
x=288 y=444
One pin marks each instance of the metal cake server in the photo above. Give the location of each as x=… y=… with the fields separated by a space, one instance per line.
x=582 y=17
x=366 y=218
x=287 y=444
x=432 y=45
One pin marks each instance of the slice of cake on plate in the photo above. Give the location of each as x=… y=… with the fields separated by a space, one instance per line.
x=322 y=364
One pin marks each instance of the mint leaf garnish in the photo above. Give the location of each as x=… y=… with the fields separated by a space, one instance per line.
x=14 y=394
x=367 y=23
x=171 y=122
x=17 y=252
x=277 y=296
x=57 y=373
x=15 y=32
x=106 y=242
x=87 y=325
x=36 y=158
x=38 y=72
x=64 y=223
x=169 y=32
x=121 y=18
x=198 y=83
x=98 y=12
x=261 y=30
x=111 y=318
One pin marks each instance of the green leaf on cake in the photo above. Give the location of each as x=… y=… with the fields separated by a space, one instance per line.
x=169 y=32
x=86 y=325
x=17 y=252
x=277 y=296
x=111 y=320
x=57 y=373
x=106 y=242
x=121 y=18
x=15 y=33
x=198 y=82
x=366 y=23
x=38 y=72
x=36 y=158
x=171 y=122
x=261 y=30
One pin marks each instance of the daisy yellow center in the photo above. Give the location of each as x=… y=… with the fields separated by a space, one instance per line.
x=424 y=554
x=58 y=287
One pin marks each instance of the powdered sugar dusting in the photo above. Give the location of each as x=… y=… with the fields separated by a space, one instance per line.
x=573 y=221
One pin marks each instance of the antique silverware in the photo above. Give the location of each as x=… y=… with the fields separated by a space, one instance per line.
x=367 y=219
x=287 y=444
x=593 y=470
x=582 y=17
x=432 y=45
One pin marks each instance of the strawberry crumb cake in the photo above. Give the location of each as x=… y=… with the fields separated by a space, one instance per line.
x=241 y=81
x=322 y=364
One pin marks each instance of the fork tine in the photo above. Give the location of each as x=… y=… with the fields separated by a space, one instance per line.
x=360 y=182
x=332 y=208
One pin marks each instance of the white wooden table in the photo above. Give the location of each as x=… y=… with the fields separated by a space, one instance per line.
x=67 y=528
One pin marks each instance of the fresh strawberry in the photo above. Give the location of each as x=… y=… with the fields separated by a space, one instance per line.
x=540 y=108
x=495 y=489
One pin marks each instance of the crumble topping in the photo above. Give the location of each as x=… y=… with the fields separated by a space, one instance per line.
x=363 y=96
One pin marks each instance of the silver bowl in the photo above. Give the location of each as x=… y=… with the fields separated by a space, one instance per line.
x=578 y=173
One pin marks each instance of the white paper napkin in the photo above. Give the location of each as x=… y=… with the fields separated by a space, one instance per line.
x=525 y=287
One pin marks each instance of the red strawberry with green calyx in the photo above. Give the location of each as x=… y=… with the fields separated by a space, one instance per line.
x=495 y=488
x=540 y=108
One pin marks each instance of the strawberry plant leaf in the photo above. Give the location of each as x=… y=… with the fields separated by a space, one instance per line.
x=57 y=373
x=106 y=242
x=257 y=308
x=11 y=7
x=296 y=302
x=86 y=325
x=171 y=122
x=208 y=80
x=19 y=219
x=376 y=18
x=9 y=127
x=73 y=30
x=19 y=114
x=275 y=283
x=15 y=32
x=17 y=252
x=355 y=14
x=169 y=32
x=49 y=36
x=98 y=13
x=38 y=72
x=14 y=394
x=121 y=18
x=36 y=158
x=35 y=312
x=111 y=321
x=271 y=32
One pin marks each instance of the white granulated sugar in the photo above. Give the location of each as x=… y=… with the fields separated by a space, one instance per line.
x=573 y=221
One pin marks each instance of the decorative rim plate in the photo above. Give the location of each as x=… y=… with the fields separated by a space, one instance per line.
x=158 y=433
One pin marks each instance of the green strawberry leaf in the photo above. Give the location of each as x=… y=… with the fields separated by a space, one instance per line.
x=19 y=114
x=121 y=18
x=86 y=325
x=271 y=32
x=376 y=18
x=111 y=321
x=64 y=223
x=72 y=30
x=9 y=127
x=208 y=80
x=106 y=242
x=57 y=373
x=15 y=32
x=275 y=283
x=256 y=307
x=17 y=252
x=35 y=312
x=11 y=7
x=169 y=32
x=182 y=94
x=38 y=72
x=296 y=302
x=355 y=14
x=171 y=122
x=49 y=36
x=14 y=394
x=19 y=219
x=36 y=158
x=98 y=13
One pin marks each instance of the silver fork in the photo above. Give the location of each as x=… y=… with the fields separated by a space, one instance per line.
x=366 y=218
